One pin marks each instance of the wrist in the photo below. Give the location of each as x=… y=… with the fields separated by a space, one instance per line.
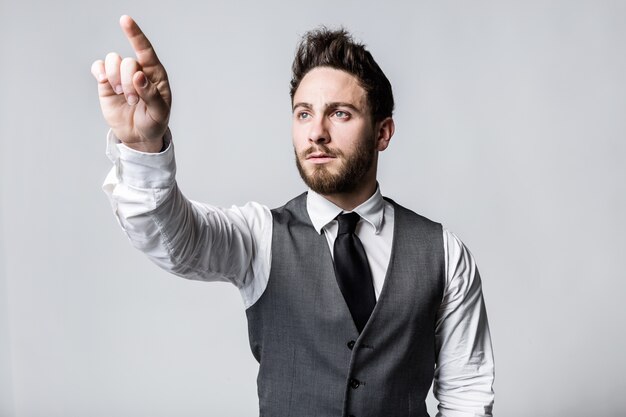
x=148 y=147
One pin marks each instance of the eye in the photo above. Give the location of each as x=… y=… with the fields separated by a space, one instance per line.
x=303 y=115
x=341 y=114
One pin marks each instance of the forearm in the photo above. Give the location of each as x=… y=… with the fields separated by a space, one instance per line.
x=189 y=239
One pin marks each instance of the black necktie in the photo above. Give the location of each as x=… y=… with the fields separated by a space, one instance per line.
x=352 y=271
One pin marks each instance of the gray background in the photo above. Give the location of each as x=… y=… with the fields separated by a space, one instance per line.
x=510 y=131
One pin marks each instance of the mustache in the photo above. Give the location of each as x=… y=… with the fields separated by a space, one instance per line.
x=321 y=148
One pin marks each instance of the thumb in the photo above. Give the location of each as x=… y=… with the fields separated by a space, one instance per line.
x=157 y=108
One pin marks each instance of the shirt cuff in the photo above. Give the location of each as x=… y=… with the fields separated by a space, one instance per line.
x=142 y=169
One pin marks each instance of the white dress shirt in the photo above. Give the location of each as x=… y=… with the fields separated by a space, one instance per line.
x=203 y=242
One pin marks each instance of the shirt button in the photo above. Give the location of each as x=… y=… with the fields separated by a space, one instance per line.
x=351 y=344
x=354 y=383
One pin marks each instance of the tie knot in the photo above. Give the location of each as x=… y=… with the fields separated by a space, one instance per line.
x=347 y=222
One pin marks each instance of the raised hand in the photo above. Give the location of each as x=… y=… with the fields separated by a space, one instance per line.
x=134 y=94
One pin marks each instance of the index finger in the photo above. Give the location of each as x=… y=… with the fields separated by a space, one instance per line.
x=140 y=43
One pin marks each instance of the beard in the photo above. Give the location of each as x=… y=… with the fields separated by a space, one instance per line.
x=349 y=174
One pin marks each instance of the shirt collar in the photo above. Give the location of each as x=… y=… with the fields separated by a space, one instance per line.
x=321 y=211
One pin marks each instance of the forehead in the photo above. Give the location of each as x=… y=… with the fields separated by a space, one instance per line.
x=329 y=85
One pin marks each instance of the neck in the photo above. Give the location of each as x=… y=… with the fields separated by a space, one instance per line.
x=348 y=201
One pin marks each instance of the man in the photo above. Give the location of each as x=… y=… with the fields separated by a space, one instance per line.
x=354 y=303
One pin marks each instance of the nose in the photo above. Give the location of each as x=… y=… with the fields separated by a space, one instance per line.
x=319 y=132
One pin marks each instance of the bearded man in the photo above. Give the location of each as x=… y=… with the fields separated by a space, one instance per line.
x=355 y=304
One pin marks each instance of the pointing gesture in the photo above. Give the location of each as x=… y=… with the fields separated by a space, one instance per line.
x=134 y=94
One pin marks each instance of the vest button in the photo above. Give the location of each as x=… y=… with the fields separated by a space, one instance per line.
x=354 y=383
x=351 y=344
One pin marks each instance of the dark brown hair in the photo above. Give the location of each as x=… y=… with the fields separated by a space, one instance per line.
x=336 y=49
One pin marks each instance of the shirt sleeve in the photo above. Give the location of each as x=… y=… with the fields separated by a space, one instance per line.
x=187 y=238
x=464 y=374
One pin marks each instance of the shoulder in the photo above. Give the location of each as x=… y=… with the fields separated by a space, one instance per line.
x=456 y=250
x=294 y=209
x=404 y=215
x=461 y=269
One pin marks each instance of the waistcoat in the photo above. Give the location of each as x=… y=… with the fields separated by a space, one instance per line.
x=312 y=360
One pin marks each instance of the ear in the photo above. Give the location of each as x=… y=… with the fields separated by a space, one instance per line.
x=384 y=132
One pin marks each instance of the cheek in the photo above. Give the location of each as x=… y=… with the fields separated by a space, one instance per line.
x=299 y=134
x=349 y=136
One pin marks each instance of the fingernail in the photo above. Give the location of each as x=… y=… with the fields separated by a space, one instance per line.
x=132 y=99
x=101 y=77
x=143 y=80
x=118 y=89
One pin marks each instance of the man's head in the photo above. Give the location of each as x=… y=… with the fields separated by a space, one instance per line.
x=342 y=106
x=336 y=49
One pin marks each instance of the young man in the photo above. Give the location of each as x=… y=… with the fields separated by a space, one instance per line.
x=354 y=303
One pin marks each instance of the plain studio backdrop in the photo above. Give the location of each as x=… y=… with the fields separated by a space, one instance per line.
x=511 y=131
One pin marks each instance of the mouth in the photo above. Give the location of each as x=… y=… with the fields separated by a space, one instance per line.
x=319 y=157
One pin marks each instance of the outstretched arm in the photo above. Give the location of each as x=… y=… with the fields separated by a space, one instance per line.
x=187 y=238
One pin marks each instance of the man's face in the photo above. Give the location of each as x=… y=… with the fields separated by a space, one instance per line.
x=333 y=134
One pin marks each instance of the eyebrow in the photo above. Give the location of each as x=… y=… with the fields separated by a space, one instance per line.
x=333 y=104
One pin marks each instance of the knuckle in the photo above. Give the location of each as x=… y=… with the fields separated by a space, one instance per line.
x=111 y=56
x=95 y=66
x=112 y=69
x=129 y=62
x=127 y=78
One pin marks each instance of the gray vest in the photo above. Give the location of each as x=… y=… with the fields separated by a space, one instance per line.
x=313 y=362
